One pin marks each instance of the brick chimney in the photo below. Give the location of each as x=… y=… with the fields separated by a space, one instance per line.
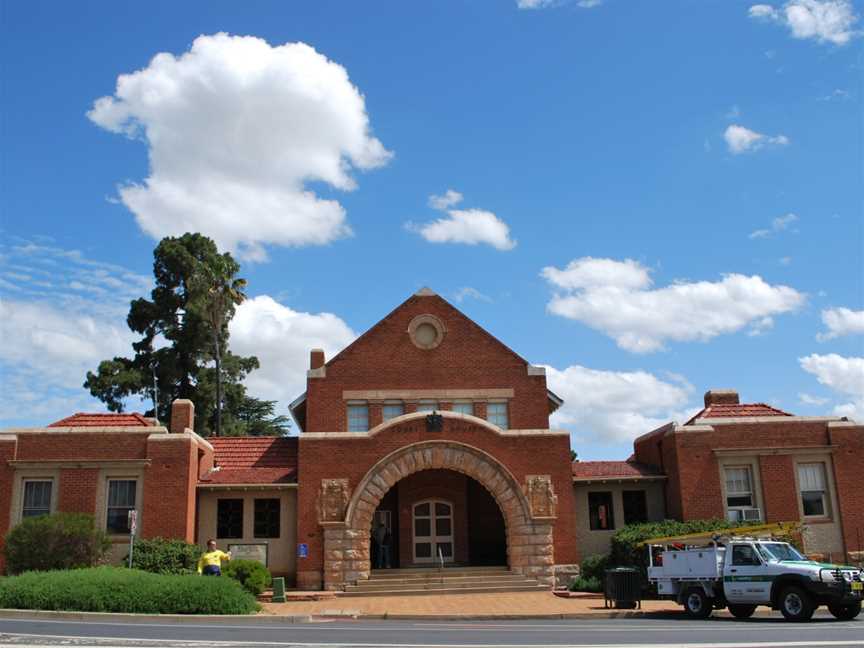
x=316 y=358
x=721 y=397
x=182 y=416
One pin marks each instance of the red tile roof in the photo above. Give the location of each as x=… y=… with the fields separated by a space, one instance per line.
x=82 y=419
x=253 y=460
x=612 y=470
x=737 y=410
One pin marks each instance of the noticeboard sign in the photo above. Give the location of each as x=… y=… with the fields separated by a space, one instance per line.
x=249 y=552
x=302 y=550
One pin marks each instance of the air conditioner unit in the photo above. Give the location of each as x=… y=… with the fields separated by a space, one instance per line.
x=745 y=515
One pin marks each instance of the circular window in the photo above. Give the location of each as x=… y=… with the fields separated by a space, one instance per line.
x=426 y=331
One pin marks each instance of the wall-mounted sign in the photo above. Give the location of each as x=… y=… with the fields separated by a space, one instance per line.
x=249 y=552
x=302 y=550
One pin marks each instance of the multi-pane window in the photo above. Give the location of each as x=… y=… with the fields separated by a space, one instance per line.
x=37 y=498
x=739 y=487
x=811 y=482
x=358 y=417
x=427 y=406
x=496 y=413
x=267 y=518
x=229 y=518
x=392 y=410
x=635 y=506
x=121 y=500
x=463 y=407
x=600 y=515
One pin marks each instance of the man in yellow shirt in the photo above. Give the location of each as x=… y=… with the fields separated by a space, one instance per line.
x=210 y=562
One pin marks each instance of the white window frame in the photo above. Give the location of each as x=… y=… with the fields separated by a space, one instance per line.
x=357 y=405
x=400 y=404
x=135 y=506
x=751 y=493
x=37 y=480
x=467 y=405
x=497 y=419
x=428 y=405
x=825 y=493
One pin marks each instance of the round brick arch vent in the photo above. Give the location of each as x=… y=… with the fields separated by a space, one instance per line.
x=346 y=543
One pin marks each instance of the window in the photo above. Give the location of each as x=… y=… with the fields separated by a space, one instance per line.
x=811 y=482
x=600 y=514
x=635 y=506
x=358 y=417
x=744 y=555
x=229 y=518
x=121 y=500
x=464 y=408
x=392 y=410
x=37 y=498
x=496 y=413
x=427 y=406
x=267 y=518
x=739 y=489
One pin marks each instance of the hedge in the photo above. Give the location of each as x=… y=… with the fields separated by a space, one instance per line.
x=582 y=584
x=251 y=574
x=118 y=589
x=164 y=556
x=59 y=541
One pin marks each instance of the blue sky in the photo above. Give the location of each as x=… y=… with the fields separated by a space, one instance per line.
x=657 y=198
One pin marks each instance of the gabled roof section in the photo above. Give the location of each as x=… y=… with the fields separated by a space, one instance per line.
x=737 y=410
x=85 y=420
x=253 y=460
x=589 y=470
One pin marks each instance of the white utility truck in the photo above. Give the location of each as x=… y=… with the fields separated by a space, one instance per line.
x=744 y=571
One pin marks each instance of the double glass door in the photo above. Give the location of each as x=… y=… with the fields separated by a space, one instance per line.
x=433 y=531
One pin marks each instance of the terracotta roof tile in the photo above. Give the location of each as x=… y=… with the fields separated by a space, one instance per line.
x=613 y=470
x=737 y=411
x=253 y=460
x=83 y=419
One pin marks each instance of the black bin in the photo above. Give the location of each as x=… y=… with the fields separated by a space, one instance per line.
x=623 y=588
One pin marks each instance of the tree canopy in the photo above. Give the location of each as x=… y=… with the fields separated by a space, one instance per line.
x=183 y=351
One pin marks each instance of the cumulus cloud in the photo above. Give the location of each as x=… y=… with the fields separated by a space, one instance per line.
x=743 y=140
x=844 y=375
x=617 y=298
x=779 y=224
x=807 y=399
x=467 y=226
x=236 y=129
x=826 y=21
x=281 y=338
x=841 y=321
x=616 y=406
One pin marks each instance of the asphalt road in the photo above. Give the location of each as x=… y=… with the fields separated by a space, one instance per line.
x=633 y=633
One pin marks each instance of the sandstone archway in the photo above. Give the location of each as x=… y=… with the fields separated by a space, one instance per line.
x=529 y=537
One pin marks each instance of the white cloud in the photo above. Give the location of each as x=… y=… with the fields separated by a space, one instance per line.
x=467 y=226
x=535 y=4
x=470 y=293
x=829 y=21
x=841 y=321
x=281 y=338
x=236 y=129
x=838 y=94
x=445 y=200
x=616 y=298
x=817 y=401
x=779 y=224
x=844 y=375
x=589 y=4
x=743 y=140
x=616 y=406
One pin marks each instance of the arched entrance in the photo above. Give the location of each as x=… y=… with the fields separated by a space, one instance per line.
x=529 y=537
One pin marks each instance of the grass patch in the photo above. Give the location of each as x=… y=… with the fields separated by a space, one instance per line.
x=116 y=589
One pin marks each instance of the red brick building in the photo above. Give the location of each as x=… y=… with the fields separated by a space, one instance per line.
x=433 y=431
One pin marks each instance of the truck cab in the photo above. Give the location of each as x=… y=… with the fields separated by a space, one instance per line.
x=743 y=573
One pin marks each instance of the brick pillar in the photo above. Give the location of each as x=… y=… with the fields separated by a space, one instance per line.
x=182 y=415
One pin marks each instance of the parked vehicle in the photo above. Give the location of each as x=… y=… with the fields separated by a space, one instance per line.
x=742 y=573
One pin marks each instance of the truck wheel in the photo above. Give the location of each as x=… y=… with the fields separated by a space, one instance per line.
x=742 y=611
x=845 y=612
x=696 y=604
x=796 y=604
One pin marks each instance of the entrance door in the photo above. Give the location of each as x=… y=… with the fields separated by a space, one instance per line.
x=433 y=531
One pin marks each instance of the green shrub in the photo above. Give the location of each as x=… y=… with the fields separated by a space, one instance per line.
x=117 y=589
x=582 y=584
x=59 y=541
x=164 y=556
x=252 y=575
x=594 y=567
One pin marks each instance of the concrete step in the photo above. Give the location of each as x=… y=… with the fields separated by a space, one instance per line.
x=395 y=583
x=474 y=589
x=383 y=574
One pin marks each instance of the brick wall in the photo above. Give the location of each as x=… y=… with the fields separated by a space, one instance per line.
x=169 y=489
x=779 y=495
x=849 y=441
x=77 y=490
x=7 y=453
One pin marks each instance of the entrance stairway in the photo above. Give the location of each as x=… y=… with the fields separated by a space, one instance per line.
x=449 y=580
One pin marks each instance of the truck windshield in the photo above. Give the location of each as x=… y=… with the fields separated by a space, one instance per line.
x=779 y=551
